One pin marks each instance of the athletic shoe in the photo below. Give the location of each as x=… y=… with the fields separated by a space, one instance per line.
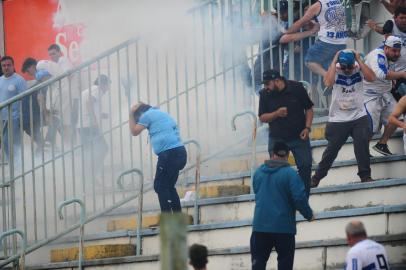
x=314 y=182
x=366 y=179
x=382 y=149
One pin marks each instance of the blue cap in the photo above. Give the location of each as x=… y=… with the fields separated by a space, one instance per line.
x=42 y=73
x=346 y=58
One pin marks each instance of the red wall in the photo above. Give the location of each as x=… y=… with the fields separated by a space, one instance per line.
x=28 y=28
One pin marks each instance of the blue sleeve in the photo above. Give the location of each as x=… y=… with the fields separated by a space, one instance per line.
x=145 y=120
x=299 y=196
x=256 y=182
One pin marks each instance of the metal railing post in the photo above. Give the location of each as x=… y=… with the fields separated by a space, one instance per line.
x=197 y=180
x=22 y=234
x=140 y=202
x=253 y=144
x=82 y=224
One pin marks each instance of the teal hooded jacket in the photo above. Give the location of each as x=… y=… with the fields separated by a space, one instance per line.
x=279 y=192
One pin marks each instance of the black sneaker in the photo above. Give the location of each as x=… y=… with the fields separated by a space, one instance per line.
x=366 y=179
x=314 y=182
x=382 y=149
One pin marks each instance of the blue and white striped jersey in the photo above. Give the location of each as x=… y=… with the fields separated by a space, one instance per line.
x=378 y=62
x=367 y=255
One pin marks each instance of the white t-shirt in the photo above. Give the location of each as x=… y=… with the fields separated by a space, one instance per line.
x=331 y=18
x=95 y=95
x=347 y=103
x=64 y=63
x=367 y=254
x=378 y=62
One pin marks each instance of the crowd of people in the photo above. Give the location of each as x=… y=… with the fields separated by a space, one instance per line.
x=55 y=107
x=364 y=98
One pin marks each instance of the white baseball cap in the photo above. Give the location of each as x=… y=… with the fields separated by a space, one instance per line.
x=393 y=42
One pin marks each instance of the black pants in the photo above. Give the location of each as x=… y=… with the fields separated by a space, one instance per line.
x=261 y=245
x=170 y=162
x=336 y=135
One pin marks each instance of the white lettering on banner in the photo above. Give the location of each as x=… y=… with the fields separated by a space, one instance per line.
x=69 y=39
x=58 y=41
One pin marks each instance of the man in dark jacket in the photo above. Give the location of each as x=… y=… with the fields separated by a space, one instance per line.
x=279 y=192
x=288 y=110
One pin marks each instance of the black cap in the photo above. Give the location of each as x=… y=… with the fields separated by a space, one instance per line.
x=270 y=75
x=281 y=149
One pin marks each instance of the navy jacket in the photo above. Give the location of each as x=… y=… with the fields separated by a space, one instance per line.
x=279 y=192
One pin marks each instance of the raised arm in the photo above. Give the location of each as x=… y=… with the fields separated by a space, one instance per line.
x=313 y=11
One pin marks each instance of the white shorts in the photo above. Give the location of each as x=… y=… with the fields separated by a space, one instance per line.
x=378 y=109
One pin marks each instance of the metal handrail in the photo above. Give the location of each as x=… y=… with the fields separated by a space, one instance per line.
x=24 y=247
x=197 y=180
x=82 y=224
x=140 y=202
x=254 y=141
x=52 y=80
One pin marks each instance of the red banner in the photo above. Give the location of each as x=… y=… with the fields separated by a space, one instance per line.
x=29 y=30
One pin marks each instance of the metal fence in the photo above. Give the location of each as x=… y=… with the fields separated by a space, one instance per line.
x=49 y=154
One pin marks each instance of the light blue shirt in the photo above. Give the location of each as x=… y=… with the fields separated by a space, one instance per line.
x=162 y=128
x=10 y=87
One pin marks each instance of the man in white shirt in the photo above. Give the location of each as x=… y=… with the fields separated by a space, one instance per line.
x=347 y=115
x=91 y=134
x=332 y=35
x=70 y=91
x=378 y=99
x=364 y=253
x=55 y=53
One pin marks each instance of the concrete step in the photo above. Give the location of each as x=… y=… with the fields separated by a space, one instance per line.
x=240 y=160
x=342 y=172
x=93 y=252
x=379 y=220
x=382 y=168
x=323 y=254
x=148 y=221
x=239 y=206
x=383 y=192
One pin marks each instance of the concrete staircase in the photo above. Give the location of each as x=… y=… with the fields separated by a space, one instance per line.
x=226 y=210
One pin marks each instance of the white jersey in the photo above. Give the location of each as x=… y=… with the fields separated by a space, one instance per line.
x=377 y=61
x=367 y=255
x=331 y=18
x=400 y=64
x=347 y=103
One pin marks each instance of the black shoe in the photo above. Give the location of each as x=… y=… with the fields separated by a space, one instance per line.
x=314 y=182
x=366 y=179
x=382 y=149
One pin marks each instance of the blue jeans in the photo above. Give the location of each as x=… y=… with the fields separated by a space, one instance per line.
x=16 y=147
x=262 y=243
x=302 y=153
x=170 y=162
x=323 y=53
